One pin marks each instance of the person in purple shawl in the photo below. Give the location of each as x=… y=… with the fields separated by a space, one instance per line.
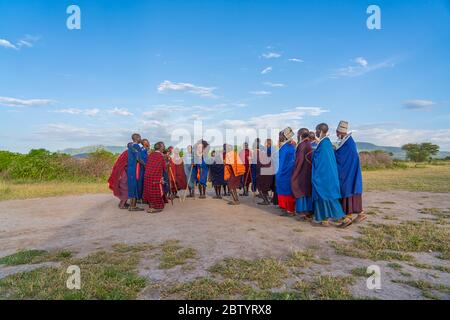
x=350 y=176
x=301 y=176
x=326 y=191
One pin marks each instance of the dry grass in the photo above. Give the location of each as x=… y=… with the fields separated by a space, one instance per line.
x=426 y=178
x=265 y=272
x=173 y=254
x=394 y=241
x=104 y=275
x=13 y=190
x=326 y=288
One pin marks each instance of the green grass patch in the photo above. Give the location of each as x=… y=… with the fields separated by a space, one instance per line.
x=207 y=289
x=395 y=266
x=430 y=267
x=301 y=259
x=428 y=289
x=34 y=257
x=359 y=272
x=173 y=254
x=427 y=178
x=439 y=213
x=326 y=288
x=391 y=242
x=265 y=272
x=104 y=276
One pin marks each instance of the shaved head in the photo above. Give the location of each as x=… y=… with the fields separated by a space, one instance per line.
x=303 y=133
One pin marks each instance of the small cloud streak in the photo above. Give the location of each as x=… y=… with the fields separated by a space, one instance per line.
x=418 y=104
x=260 y=93
x=266 y=70
x=274 y=85
x=188 y=87
x=14 y=102
x=271 y=55
x=295 y=60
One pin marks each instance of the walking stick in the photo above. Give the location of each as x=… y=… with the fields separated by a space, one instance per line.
x=189 y=179
x=174 y=181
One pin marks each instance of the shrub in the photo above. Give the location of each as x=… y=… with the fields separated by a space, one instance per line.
x=375 y=160
x=43 y=165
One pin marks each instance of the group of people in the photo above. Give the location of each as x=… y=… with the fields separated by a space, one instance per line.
x=311 y=178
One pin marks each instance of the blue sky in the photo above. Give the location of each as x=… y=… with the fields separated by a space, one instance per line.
x=154 y=66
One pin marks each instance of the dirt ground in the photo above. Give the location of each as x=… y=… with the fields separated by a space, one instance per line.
x=216 y=230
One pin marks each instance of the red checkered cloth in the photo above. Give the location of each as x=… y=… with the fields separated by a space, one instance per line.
x=153 y=189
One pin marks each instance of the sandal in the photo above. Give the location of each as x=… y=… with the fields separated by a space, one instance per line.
x=151 y=210
x=345 y=223
x=360 y=218
x=323 y=224
x=135 y=209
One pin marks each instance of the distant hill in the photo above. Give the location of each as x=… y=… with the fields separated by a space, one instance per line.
x=84 y=151
x=397 y=152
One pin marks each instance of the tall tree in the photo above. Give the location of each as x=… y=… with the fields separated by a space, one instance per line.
x=420 y=152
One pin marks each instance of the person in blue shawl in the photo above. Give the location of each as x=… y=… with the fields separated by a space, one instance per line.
x=284 y=168
x=325 y=183
x=144 y=156
x=201 y=166
x=350 y=177
x=133 y=171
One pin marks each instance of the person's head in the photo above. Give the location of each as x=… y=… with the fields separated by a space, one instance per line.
x=303 y=133
x=170 y=149
x=145 y=143
x=245 y=145
x=321 y=130
x=229 y=148
x=268 y=143
x=312 y=135
x=136 y=138
x=213 y=153
x=159 y=146
x=342 y=129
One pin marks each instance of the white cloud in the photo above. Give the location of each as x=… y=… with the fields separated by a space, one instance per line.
x=295 y=60
x=291 y=117
x=120 y=112
x=418 y=104
x=274 y=85
x=189 y=87
x=7 y=44
x=266 y=70
x=271 y=55
x=14 y=102
x=85 y=112
x=27 y=41
x=361 y=67
x=362 y=62
x=260 y=93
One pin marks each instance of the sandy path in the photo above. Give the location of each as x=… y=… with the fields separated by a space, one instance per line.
x=216 y=230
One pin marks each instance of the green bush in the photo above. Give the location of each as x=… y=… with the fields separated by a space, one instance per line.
x=43 y=165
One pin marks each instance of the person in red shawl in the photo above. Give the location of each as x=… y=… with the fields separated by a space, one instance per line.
x=177 y=176
x=245 y=156
x=153 y=180
x=301 y=176
x=118 y=181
